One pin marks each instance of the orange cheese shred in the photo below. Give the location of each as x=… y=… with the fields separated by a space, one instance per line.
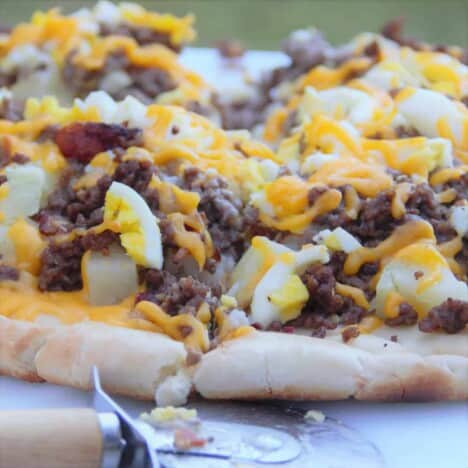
x=402 y=236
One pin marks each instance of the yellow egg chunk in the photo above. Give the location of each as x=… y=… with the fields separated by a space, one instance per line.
x=126 y=212
x=290 y=298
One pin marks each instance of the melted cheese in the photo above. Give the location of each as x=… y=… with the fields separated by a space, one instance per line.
x=367 y=179
x=369 y=324
x=287 y=195
x=447 y=196
x=197 y=241
x=274 y=125
x=356 y=294
x=25 y=303
x=392 y=305
x=43 y=28
x=179 y=29
x=28 y=246
x=449 y=250
x=322 y=77
x=174 y=199
x=297 y=223
x=183 y=327
x=403 y=236
x=352 y=202
x=402 y=193
x=409 y=155
x=322 y=132
x=444 y=175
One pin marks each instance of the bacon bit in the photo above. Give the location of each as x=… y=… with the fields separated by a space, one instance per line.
x=82 y=141
x=349 y=332
x=288 y=329
x=185 y=439
x=418 y=274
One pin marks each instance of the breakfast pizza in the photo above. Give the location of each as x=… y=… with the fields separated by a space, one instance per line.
x=123 y=50
x=325 y=258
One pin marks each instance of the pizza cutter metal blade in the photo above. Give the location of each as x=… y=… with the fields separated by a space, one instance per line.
x=226 y=441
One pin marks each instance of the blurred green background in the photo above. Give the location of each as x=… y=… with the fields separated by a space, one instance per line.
x=263 y=23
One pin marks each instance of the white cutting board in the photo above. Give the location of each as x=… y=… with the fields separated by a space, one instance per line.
x=409 y=435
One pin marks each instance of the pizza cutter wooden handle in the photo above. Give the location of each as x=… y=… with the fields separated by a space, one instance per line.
x=55 y=438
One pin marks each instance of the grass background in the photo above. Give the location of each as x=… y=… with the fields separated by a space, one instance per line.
x=263 y=23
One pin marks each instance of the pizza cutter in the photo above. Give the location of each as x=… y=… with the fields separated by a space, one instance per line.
x=237 y=434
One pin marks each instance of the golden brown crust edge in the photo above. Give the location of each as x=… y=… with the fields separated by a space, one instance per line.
x=132 y=363
x=260 y=365
x=19 y=343
x=282 y=366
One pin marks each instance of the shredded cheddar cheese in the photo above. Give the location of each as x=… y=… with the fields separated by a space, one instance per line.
x=404 y=235
x=344 y=140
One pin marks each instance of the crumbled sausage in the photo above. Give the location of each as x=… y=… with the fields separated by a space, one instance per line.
x=451 y=316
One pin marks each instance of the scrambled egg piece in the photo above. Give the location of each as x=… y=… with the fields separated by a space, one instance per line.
x=338 y=239
x=419 y=275
x=169 y=414
x=126 y=212
x=272 y=280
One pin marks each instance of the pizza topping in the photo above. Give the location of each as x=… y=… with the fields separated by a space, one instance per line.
x=330 y=302
x=176 y=295
x=23 y=245
x=169 y=414
x=280 y=293
x=60 y=268
x=451 y=316
x=459 y=218
x=349 y=333
x=351 y=219
x=22 y=193
x=403 y=296
x=127 y=213
x=182 y=327
x=8 y=273
x=338 y=239
x=108 y=277
x=222 y=208
x=10 y=108
x=118 y=77
x=406 y=315
x=83 y=141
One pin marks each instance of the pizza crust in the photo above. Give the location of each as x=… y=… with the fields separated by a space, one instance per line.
x=266 y=365
x=133 y=363
x=19 y=343
x=284 y=366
